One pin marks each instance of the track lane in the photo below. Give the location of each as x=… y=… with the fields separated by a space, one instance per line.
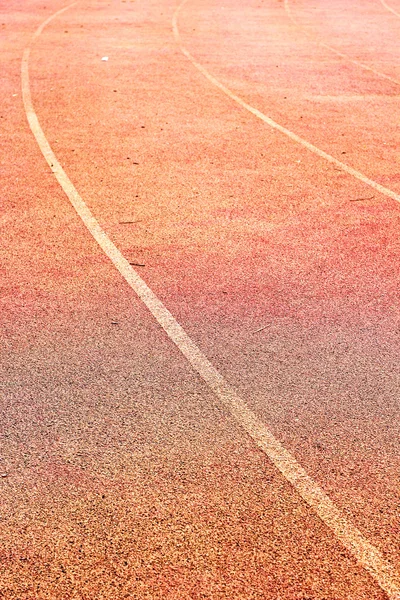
x=337 y=19
x=170 y=265
x=366 y=553
x=106 y=433
x=284 y=350
x=266 y=119
x=323 y=94
x=343 y=55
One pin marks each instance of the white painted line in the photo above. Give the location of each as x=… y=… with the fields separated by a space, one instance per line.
x=389 y=8
x=332 y=49
x=369 y=556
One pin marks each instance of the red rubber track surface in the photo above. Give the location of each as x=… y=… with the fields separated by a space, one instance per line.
x=124 y=477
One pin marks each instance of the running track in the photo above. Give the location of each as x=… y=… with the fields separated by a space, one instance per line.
x=245 y=159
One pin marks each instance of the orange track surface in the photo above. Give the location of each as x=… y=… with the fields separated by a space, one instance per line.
x=123 y=476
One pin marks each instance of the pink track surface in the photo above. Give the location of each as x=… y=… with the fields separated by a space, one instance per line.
x=124 y=477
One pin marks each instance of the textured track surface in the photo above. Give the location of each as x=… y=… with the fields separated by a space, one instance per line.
x=125 y=478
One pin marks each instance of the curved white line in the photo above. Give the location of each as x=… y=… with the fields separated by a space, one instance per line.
x=389 y=8
x=364 y=551
x=337 y=52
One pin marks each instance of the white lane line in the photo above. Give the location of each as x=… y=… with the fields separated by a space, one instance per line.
x=367 y=554
x=293 y=136
x=337 y=52
x=389 y=8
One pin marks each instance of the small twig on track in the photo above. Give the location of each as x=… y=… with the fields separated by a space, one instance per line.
x=359 y=199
